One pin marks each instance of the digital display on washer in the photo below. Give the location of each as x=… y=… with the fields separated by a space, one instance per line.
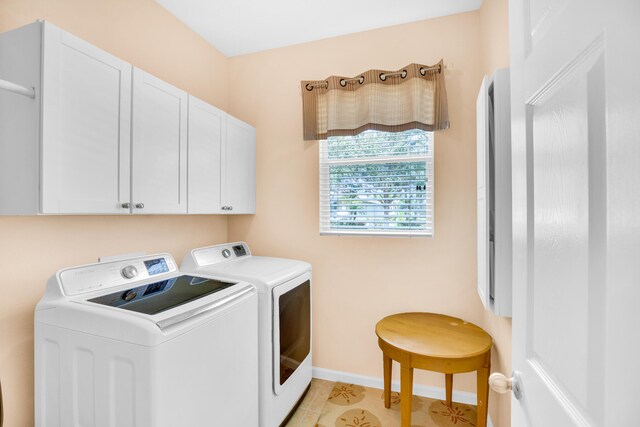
x=160 y=296
x=156 y=266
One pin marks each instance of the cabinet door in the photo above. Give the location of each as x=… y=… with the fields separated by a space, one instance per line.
x=239 y=168
x=207 y=133
x=159 y=140
x=86 y=113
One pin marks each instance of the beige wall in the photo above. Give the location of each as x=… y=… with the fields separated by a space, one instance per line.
x=358 y=280
x=494 y=23
x=33 y=248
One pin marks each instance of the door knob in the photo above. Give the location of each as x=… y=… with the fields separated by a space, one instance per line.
x=501 y=384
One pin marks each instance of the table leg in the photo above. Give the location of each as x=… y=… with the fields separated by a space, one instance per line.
x=449 y=387
x=483 y=395
x=386 y=363
x=406 y=394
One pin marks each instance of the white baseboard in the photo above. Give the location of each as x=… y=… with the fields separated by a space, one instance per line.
x=375 y=382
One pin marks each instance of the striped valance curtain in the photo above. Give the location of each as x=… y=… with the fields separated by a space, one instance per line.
x=413 y=97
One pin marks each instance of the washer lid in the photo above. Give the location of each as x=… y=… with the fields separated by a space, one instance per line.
x=156 y=297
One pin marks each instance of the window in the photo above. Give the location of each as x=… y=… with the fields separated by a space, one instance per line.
x=377 y=184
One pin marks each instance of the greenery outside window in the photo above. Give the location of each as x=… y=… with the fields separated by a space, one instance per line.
x=377 y=184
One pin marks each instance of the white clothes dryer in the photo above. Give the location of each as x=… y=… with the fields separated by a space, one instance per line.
x=135 y=343
x=284 y=315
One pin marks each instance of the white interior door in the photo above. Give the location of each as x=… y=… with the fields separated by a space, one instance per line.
x=159 y=138
x=576 y=185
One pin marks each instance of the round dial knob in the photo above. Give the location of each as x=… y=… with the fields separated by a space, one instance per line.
x=226 y=253
x=129 y=295
x=129 y=272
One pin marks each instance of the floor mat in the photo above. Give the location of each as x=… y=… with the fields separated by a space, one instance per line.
x=351 y=405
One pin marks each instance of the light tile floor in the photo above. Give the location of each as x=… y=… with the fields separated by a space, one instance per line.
x=368 y=403
x=311 y=406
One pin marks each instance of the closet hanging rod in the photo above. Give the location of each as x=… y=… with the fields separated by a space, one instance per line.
x=19 y=89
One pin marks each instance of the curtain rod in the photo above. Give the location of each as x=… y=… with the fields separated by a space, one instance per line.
x=19 y=89
x=383 y=77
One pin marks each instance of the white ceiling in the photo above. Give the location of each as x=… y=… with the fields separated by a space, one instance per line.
x=236 y=27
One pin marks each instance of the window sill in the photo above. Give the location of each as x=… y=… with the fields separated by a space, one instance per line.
x=376 y=234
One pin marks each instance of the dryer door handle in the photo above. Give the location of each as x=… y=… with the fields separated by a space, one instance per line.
x=207 y=308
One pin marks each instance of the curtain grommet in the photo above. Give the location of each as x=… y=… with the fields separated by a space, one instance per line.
x=403 y=74
x=343 y=82
x=382 y=77
x=361 y=79
x=423 y=71
x=309 y=87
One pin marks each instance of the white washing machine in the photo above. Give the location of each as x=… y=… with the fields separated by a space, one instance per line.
x=284 y=314
x=134 y=342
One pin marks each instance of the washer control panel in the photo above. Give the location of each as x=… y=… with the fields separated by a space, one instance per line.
x=129 y=272
x=110 y=274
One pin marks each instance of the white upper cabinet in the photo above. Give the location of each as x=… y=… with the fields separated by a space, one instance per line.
x=101 y=137
x=82 y=105
x=207 y=134
x=221 y=162
x=86 y=101
x=159 y=140
x=239 y=168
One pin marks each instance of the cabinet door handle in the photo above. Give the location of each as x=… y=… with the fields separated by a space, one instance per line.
x=139 y=205
x=126 y=205
x=230 y=208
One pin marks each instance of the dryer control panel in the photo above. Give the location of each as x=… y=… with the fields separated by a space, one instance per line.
x=215 y=254
x=105 y=275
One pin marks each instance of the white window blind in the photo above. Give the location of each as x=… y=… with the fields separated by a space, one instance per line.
x=377 y=183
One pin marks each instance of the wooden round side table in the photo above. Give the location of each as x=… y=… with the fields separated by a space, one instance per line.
x=434 y=342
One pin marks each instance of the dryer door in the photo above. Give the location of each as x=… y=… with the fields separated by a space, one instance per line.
x=291 y=328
